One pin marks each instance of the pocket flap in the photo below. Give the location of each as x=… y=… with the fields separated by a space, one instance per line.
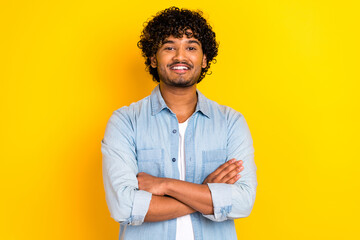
x=149 y=154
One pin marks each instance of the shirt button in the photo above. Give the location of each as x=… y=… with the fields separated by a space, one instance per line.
x=174 y=159
x=174 y=131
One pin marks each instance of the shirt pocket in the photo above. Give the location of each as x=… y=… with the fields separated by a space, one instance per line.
x=211 y=160
x=151 y=161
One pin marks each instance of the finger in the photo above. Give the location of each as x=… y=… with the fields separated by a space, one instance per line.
x=234 y=179
x=221 y=171
x=232 y=174
x=141 y=174
x=228 y=169
x=223 y=166
x=206 y=180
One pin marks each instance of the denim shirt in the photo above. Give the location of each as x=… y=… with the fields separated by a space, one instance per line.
x=144 y=137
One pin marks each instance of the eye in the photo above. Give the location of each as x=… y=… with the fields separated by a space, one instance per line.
x=192 y=48
x=169 y=48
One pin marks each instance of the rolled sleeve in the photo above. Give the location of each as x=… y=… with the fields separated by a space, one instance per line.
x=221 y=197
x=240 y=147
x=140 y=207
x=127 y=204
x=231 y=201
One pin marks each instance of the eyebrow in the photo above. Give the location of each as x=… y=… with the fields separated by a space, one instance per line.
x=194 y=41
x=167 y=41
x=189 y=41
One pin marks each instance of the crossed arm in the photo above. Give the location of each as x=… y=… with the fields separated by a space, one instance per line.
x=175 y=198
x=131 y=199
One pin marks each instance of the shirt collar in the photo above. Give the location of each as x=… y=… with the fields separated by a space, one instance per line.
x=158 y=103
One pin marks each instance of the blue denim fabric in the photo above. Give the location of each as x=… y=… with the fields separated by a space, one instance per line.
x=141 y=138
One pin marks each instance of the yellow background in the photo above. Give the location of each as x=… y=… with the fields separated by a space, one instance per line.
x=291 y=67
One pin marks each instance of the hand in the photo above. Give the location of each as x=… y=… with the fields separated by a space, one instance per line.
x=226 y=173
x=149 y=183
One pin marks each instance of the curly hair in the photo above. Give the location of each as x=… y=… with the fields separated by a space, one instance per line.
x=176 y=22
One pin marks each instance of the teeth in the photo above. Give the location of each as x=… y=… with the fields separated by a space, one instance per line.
x=180 y=68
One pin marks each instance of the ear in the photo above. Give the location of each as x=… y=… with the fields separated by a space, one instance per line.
x=204 y=62
x=153 y=62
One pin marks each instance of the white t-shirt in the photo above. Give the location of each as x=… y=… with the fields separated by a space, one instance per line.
x=184 y=228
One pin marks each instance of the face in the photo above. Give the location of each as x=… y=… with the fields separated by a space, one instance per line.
x=179 y=61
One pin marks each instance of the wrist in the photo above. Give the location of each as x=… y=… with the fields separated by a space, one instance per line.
x=167 y=185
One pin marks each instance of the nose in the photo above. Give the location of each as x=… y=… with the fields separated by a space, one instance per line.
x=180 y=55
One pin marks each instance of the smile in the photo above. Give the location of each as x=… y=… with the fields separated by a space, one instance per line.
x=179 y=67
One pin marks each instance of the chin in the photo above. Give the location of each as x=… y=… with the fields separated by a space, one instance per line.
x=182 y=83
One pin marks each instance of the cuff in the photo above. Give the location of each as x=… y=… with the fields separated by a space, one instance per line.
x=221 y=198
x=140 y=207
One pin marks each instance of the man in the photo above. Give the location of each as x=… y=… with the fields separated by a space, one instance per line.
x=171 y=161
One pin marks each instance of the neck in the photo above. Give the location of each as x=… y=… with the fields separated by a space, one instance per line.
x=182 y=101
